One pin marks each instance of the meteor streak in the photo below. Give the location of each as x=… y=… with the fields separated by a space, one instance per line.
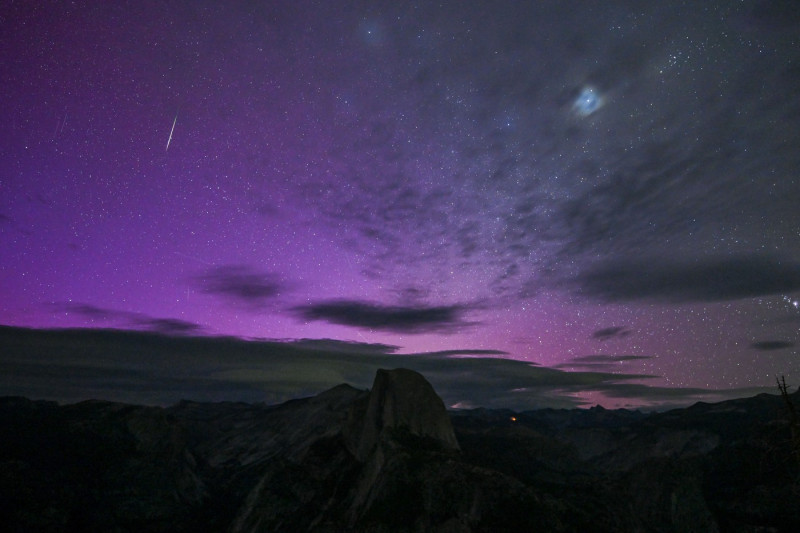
x=171 y=130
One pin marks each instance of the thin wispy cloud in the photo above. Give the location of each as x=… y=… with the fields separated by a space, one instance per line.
x=139 y=321
x=601 y=362
x=241 y=285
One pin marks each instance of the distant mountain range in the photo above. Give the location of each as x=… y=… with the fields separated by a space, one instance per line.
x=394 y=459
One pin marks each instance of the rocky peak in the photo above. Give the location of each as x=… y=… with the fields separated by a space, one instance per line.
x=403 y=400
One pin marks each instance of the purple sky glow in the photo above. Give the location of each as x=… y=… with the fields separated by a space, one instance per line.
x=610 y=186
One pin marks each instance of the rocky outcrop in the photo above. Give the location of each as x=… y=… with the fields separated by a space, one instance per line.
x=353 y=474
x=401 y=404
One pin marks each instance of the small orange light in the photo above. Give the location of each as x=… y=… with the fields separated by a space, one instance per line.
x=513 y=418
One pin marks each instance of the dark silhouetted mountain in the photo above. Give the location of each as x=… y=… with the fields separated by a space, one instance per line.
x=401 y=401
x=393 y=459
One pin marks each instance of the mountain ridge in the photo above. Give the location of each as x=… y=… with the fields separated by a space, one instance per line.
x=330 y=463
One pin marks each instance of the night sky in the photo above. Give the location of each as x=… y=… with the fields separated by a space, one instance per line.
x=595 y=187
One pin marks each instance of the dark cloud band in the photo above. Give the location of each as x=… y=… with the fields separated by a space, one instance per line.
x=398 y=319
x=167 y=326
x=150 y=368
x=710 y=280
x=767 y=346
x=609 y=333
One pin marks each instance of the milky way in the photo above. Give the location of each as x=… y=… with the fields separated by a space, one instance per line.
x=611 y=180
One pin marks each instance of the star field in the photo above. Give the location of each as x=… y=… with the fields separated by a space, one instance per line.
x=606 y=187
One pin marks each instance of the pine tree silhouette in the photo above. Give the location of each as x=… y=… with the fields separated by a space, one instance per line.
x=794 y=419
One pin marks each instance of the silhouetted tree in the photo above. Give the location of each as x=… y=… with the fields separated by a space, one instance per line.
x=794 y=419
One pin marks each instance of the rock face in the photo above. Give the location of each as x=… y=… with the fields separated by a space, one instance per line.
x=402 y=401
x=392 y=459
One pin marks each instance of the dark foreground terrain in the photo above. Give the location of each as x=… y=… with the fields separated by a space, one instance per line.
x=393 y=459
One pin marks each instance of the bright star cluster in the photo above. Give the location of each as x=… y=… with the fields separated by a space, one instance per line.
x=587 y=102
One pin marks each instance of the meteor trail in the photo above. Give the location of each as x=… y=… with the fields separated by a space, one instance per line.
x=60 y=125
x=171 y=130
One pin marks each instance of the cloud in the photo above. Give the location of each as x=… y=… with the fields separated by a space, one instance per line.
x=267 y=210
x=788 y=319
x=601 y=362
x=334 y=345
x=167 y=326
x=766 y=346
x=591 y=359
x=92 y=312
x=709 y=280
x=375 y=348
x=465 y=353
x=156 y=369
x=241 y=285
x=662 y=398
x=398 y=319
x=170 y=326
x=608 y=333
x=152 y=368
x=603 y=196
